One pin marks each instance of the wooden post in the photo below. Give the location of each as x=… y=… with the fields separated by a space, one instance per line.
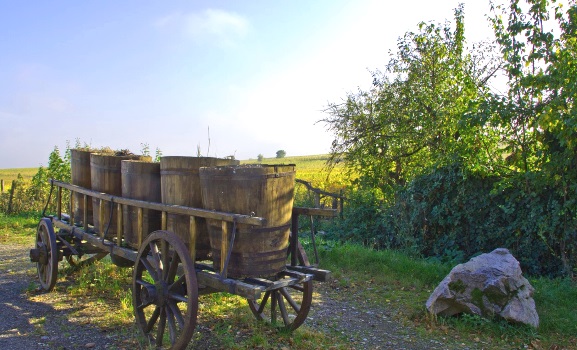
x=85 y=212
x=2 y=186
x=11 y=196
x=224 y=249
x=59 y=203
x=192 y=238
x=140 y=225
x=119 y=223
x=163 y=221
x=101 y=217
x=294 y=237
x=72 y=202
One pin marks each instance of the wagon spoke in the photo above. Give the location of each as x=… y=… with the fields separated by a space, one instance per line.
x=161 y=327
x=156 y=258
x=144 y=283
x=263 y=302
x=290 y=300
x=178 y=297
x=173 y=268
x=273 y=302
x=165 y=259
x=179 y=282
x=151 y=270
x=283 y=310
x=172 y=331
x=177 y=313
x=152 y=320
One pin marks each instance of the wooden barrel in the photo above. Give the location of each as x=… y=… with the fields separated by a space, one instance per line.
x=80 y=176
x=140 y=180
x=180 y=185
x=105 y=176
x=260 y=190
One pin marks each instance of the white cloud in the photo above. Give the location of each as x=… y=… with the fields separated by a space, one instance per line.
x=211 y=25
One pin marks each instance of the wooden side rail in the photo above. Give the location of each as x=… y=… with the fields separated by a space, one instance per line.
x=168 y=208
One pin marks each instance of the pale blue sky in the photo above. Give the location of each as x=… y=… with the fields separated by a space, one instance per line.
x=257 y=73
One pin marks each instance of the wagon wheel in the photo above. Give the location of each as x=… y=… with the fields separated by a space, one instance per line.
x=291 y=303
x=78 y=261
x=165 y=291
x=47 y=264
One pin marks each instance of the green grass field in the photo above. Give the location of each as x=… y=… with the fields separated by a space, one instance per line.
x=8 y=175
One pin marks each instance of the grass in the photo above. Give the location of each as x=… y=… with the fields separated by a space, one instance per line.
x=404 y=283
x=18 y=229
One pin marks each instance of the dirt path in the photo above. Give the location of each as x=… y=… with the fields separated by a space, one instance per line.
x=26 y=323
x=365 y=325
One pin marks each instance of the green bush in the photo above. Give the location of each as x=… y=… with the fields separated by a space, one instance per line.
x=452 y=215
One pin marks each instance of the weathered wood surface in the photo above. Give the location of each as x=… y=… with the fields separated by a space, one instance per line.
x=168 y=208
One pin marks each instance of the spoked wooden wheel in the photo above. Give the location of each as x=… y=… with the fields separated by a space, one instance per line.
x=47 y=254
x=165 y=291
x=289 y=305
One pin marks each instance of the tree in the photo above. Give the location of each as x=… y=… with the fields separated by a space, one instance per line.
x=280 y=153
x=260 y=157
x=538 y=114
x=414 y=118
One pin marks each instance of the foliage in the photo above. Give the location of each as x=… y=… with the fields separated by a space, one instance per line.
x=259 y=158
x=538 y=117
x=33 y=195
x=413 y=118
x=453 y=214
x=491 y=169
x=145 y=151
x=280 y=153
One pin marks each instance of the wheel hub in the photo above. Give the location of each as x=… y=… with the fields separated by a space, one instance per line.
x=161 y=292
x=156 y=294
x=39 y=254
x=148 y=294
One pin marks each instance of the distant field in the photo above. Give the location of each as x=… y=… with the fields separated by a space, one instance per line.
x=309 y=168
x=312 y=169
x=12 y=174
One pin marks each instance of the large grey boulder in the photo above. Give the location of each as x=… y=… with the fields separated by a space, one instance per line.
x=487 y=285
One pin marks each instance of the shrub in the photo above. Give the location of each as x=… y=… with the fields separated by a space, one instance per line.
x=452 y=215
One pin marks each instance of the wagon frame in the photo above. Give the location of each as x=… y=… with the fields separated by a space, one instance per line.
x=167 y=279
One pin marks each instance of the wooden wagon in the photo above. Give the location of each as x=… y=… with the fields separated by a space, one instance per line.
x=167 y=277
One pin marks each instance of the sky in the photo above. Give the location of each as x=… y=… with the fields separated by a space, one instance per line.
x=221 y=78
